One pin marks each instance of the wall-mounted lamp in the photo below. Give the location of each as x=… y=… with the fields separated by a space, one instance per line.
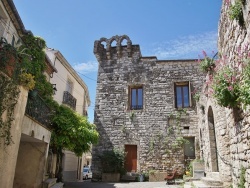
x=54 y=88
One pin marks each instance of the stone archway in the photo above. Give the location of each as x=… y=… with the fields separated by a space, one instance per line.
x=212 y=141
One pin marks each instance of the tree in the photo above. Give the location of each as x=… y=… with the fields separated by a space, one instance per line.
x=72 y=131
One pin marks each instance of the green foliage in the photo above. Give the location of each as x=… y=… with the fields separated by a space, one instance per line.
x=226 y=87
x=197 y=96
x=242 y=177
x=235 y=12
x=132 y=115
x=9 y=93
x=146 y=176
x=27 y=81
x=230 y=81
x=152 y=172
x=8 y=58
x=207 y=64
x=72 y=131
x=32 y=56
x=244 y=88
x=112 y=161
x=169 y=142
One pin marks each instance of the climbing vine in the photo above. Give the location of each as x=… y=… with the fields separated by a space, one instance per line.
x=168 y=142
x=9 y=93
x=236 y=11
x=242 y=177
x=32 y=57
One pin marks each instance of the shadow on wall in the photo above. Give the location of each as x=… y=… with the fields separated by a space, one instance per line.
x=104 y=143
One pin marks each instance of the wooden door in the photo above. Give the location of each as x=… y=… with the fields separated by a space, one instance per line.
x=131 y=158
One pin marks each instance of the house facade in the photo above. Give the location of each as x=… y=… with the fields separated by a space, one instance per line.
x=23 y=161
x=144 y=106
x=72 y=92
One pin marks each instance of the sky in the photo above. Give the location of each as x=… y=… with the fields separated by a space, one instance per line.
x=168 y=29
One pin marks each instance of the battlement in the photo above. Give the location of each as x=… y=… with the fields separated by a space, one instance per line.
x=104 y=50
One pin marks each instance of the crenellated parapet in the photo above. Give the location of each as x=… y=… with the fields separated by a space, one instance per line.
x=104 y=50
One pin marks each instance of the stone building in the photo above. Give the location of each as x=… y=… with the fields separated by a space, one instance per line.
x=224 y=132
x=138 y=100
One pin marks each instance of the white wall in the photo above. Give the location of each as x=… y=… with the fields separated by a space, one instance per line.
x=7 y=29
x=60 y=79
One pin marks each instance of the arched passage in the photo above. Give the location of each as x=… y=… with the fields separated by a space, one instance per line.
x=212 y=140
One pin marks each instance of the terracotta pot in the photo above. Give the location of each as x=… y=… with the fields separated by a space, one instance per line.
x=33 y=93
x=8 y=63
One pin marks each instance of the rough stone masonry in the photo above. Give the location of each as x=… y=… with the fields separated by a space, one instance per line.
x=225 y=141
x=136 y=100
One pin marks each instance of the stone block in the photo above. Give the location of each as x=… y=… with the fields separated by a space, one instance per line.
x=198 y=170
x=110 y=177
x=157 y=176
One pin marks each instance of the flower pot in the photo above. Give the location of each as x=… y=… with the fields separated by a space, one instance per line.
x=8 y=61
x=33 y=93
x=110 y=177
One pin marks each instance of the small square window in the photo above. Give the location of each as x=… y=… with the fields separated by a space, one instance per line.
x=136 y=98
x=182 y=95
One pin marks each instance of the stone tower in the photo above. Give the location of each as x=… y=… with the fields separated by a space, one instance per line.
x=136 y=100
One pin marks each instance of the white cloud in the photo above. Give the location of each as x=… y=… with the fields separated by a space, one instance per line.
x=185 y=47
x=88 y=67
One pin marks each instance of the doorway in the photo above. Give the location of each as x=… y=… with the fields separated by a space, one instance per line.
x=212 y=139
x=189 y=148
x=131 y=158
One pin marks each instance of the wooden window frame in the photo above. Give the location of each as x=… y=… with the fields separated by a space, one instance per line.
x=130 y=97
x=180 y=84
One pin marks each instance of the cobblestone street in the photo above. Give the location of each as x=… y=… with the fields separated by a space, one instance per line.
x=89 y=184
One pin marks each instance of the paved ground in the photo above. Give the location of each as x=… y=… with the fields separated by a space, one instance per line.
x=89 y=184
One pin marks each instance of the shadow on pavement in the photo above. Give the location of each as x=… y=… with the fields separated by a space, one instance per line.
x=88 y=184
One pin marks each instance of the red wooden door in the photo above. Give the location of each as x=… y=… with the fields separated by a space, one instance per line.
x=131 y=158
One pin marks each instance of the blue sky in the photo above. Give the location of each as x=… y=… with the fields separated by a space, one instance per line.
x=168 y=29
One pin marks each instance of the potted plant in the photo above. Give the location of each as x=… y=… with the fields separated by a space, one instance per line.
x=8 y=57
x=27 y=81
x=112 y=162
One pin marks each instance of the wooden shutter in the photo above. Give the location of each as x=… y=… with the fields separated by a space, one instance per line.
x=190 y=96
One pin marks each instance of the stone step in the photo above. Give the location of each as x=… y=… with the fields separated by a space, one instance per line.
x=187 y=185
x=211 y=181
x=214 y=175
x=49 y=182
x=200 y=184
x=198 y=174
x=128 y=178
x=58 y=185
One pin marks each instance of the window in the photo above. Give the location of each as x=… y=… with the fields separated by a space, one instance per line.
x=189 y=148
x=69 y=86
x=182 y=95
x=136 y=98
x=13 y=40
x=3 y=22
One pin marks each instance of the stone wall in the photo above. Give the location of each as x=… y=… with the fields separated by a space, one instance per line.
x=122 y=67
x=232 y=136
x=8 y=154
